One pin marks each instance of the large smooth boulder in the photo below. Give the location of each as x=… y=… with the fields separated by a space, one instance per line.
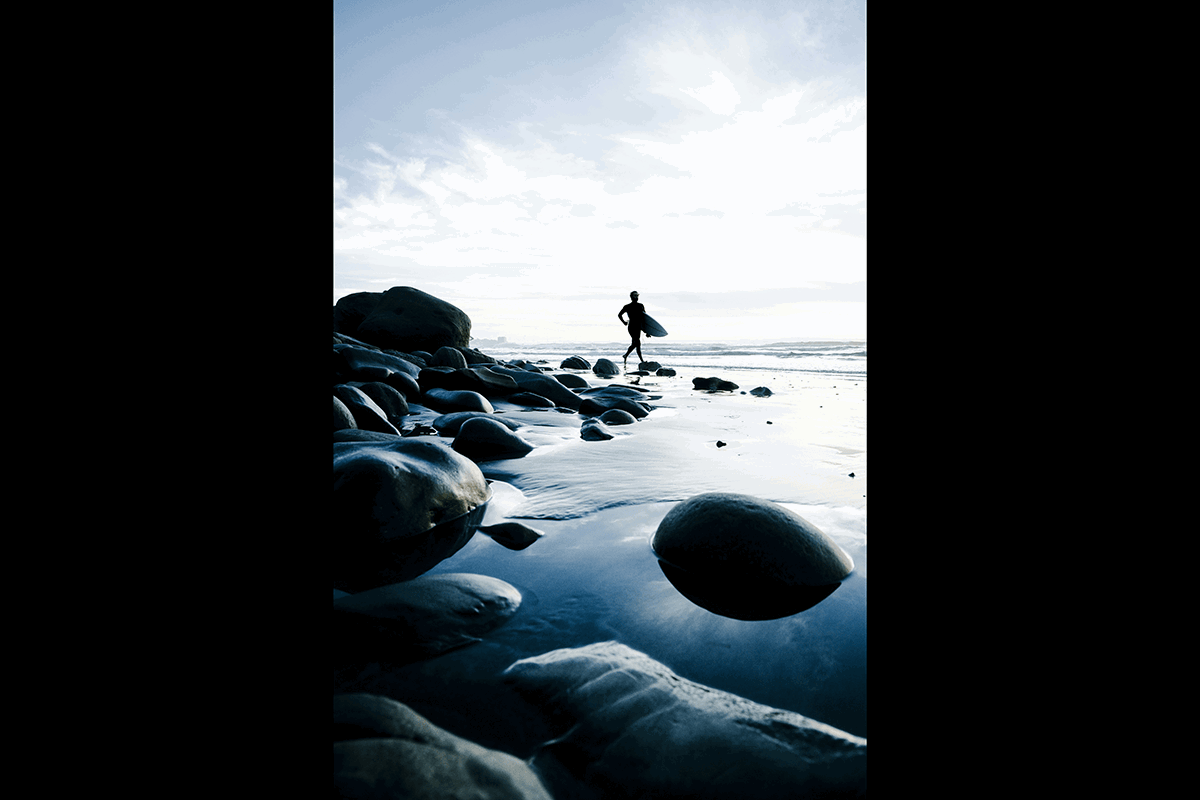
x=633 y=728
x=421 y=618
x=747 y=558
x=405 y=318
x=485 y=439
x=384 y=749
x=399 y=508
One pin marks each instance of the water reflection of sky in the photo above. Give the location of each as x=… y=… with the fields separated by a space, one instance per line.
x=595 y=578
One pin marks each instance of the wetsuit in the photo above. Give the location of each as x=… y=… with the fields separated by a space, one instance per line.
x=636 y=312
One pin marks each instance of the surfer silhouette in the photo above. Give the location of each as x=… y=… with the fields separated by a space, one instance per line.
x=637 y=315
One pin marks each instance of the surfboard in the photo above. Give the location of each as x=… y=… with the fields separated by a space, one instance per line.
x=650 y=327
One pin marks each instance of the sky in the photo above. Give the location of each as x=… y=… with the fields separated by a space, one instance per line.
x=534 y=162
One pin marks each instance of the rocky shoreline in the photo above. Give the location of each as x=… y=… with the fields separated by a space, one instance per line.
x=416 y=411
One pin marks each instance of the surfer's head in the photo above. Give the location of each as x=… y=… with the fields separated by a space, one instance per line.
x=633 y=295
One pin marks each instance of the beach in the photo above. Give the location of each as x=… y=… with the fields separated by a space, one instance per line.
x=593 y=578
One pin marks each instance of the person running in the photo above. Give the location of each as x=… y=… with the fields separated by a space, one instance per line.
x=637 y=313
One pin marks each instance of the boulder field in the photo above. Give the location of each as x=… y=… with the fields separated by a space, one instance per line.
x=408 y=496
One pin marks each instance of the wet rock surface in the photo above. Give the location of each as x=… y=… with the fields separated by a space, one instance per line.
x=384 y=749
x=747 y=558
x=633 y=728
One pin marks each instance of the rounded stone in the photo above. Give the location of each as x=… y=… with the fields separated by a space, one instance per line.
x=575 y=362
x=448 y=357
x=606 y=367
x=485 y=439
x=399 y=508
x=747 y=558
x=616 y=416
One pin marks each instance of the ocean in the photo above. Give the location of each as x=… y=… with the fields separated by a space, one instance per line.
x=844 y=359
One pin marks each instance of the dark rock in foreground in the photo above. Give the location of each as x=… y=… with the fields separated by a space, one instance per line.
x=747 y=558
x=632 y=728
x=761 y=391
x=485 y=439
x=383 y=749
x=421 y=618
x=665 y=372
x=399 y=508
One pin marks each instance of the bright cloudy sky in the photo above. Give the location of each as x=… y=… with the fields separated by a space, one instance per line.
x=533 y=162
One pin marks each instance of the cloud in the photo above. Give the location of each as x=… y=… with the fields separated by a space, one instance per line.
x=704 y=212
x=720 y=96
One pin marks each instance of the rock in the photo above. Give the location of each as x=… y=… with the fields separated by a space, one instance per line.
x=384 y=749
x=484 y=439
x=530 y=399
x=747 y=558
x=355 y=435
x=469 y=379
x=404 y=318
x=342 y=418
x=633 y=728
x=571 y=381
x=393 y=403
x=421 y=618
x=447 y=400
x=352 y=310
x=596 y=405
x=714 y=384
x=399 y=508
x=366 y=412
x=541 y=384
x=606 y=367
x=665 y=372
x=353 y=360
x=648 y=366
x=617 y=416
x=575 y=362
x=448 y=357
x=761 y=391
x=512 y=535
x=593 y=430
x=474 y=357
x=448 y=424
